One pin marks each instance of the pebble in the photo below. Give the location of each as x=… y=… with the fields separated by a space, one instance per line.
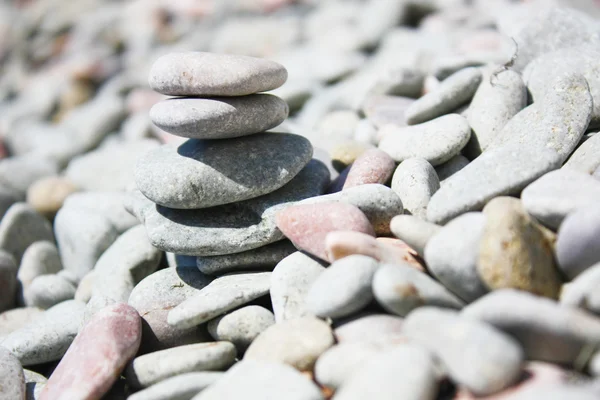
x=178 y=260
x=450 y=167
x=261 y=380
x=97 y=356
x=291 y=280
x=298 y=342
x=558 y=193
x=241 y=326
x=373 y=166
x=12 y=378
x=581 y=292
x=546 y=330
x=19 y=172
x=40 y=258
x=336 y=365
x=382 y=110
x=415 y=181
x=437 y=140
x=34 y=384
x=152 y=368
x=452 y=255
x=8 y=281
x=342 y=289
x=454 y=91
x=413 y=231
x=585 y=158
x=347 y=152
x=377 y=328
x=209 y=74
x=108 y=204
x=221 y=295
x=399 y=289
x=20 y=227
x=48 y=336
x=365 y=132
x=47 y=195
x=198 y=173
x=307 y=225
x=475 y=354
x=180 y=387
x=219 y=118
x=46 y=291
x=17 y=318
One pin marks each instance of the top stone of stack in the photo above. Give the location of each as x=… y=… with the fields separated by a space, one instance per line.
x=209 y=74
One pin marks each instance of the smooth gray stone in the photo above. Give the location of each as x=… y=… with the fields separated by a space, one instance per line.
x=8 y=281
x=546 y=330
x=219 y=117
x=34 y=384
x=241 y=326
x=291 y=280
x=209 y=74
x=259 y=380
x=151 y=368
x=46 y=291
x=452 y=255
x=385 y=109
x=18 y=173
x=343 y=288
x=180 y=387
x=48 y=337
x=454 y=91
x=413 y=231
x=500 y=97
x=582 y=291
x=40 y=258
x=475 y=354
x=22 y=226
x=558 y=193
x=262 y=258
x=586 y=158
x=380 y=329
x=8 y=197
x=227 y=229
x=336 y=365
x=223 y=294
x=437 y=140
x=578 y=241
x=201 y=174
x=450 y=167
x=109 y=204
x=398 y=82
x=400 y=288
x=12 y=378
x=536 y=140
x=415 y=181
x=156 y=295
x=403 y=372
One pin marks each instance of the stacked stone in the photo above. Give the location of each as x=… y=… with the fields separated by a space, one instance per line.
x=217 y=193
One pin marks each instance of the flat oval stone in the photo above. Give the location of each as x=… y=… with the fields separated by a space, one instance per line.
x=219 y=117
x=373 y=166
x=581 y=292
x=200 y=174
x=8 y=281
x=46 y=291
x=415 y=181
x=152 y=368
x=180 y=387
x=337 y=364
x=578 y=241
x=22 y=226
x=400 y=289
x=241 y=326
x=343 y=288
x=97 y=356
x=12 y=378
x=380 y=329
x=413 y=231
x=437 y=140
x=297 y=342
x=586 y=158
x=210 y=74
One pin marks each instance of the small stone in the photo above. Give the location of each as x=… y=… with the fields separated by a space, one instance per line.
x=219 y=118
x=382 y=110
x=8 y=281
x=111 y=205
x=17 y=318
x=40 y=258
x=400 y=289
x=335 y=127
x=377 y=328
x=345 y=153
x=209 y=74
x=12 y=378
x=221 y=295
x=586 y=158
x=450 y=167
x=297 y=342
x=413 y=231
x=46 y=291
x=454 y=91
x=97 y=356
x=373 y=166
x=337 y=364
x=20 y=172
x=343 y=288
x=34 y=384
x=307 y=225
x=22 y=226
x=199 y=174
x=180 y=387
x=241 y=326
x=437 y=140
x=365 y=132
x=581 y=292
x=291 y=280
x=415 y=181
x=578 y=241
x=154 y=367
x=476 y=355
x=47 y=195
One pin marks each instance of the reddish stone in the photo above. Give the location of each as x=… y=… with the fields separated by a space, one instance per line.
x=97 y=356
x=373 y=166
x=307 y=225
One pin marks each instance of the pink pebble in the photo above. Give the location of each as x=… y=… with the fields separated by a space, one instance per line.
x=307 y=225
x=373 y=166
x=97 y=356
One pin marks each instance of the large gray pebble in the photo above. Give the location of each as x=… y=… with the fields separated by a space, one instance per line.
x=337 y=364
x=581 y=292
x=586 y=158
x=12 y=378
x=219 y=118
x=343 y=288
x=210 y=74
x=452 y=255
x=22 y=226
x=475 y=354
x=108 y=204
x=578 y=240
x=241 y=326
x=180 y=387
x=48 y=290
x=8 y=281
x=40 y=258
x=413 y=231
x=374 y=328
x=415 y=181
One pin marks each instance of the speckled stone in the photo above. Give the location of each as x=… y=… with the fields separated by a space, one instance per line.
x=180 y=387
x=476 y=355
x=581 y=292
x=17 y=318
x=578 y=241
x=454 y=91
x=200 y=174
x=415 y=181
x=221 y=295
x=586 y=158
x=97 y=356
x=337 y=364
x=152 y=368
x=22 y=226
x=40 y=258
x=241 y=326
x=12 y=378
x=413 y=231
x=297 y=342
x=219 y=118
x=46 y=291
x=48 y=194
x=384 y=109
x=210 y=74
x=8 y=281
x=437 y=140
x=373 y=166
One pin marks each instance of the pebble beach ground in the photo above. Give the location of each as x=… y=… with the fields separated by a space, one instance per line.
x=300 y=200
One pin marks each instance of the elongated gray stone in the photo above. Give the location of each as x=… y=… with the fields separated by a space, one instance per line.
x=22 y=226
x=180 y=387
x=12 y=378
x=586 y=158
x=48 y=290
x=219 y=117
x=200 y=173
x=415 y=181
x=210 y=74
x=241 y=326
x=413 y=231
